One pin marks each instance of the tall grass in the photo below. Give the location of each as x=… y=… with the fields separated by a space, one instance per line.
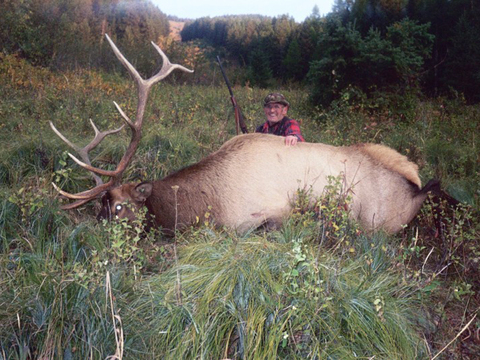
x=239 y=299
x=316 y=288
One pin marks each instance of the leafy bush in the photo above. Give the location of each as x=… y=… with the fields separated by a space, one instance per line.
x=373 y=62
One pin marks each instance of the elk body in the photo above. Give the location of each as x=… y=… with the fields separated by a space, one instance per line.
x=252 y=179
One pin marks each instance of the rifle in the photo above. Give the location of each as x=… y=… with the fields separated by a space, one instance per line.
x=239 y=120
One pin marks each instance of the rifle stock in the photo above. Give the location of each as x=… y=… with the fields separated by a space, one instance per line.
x=239 y=119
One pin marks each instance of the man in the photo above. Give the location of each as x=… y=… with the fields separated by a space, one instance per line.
x=276 y=107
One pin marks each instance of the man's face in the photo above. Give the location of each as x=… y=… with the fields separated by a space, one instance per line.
x=275 y=112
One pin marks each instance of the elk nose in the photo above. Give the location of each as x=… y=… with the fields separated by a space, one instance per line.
x=101 y=215
x=104 y=214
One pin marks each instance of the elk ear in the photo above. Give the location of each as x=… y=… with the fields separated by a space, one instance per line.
x=142 y=191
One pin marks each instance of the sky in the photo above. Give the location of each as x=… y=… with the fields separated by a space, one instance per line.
x=193 y=9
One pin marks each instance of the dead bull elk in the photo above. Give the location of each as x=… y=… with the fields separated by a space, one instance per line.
x=252 y=179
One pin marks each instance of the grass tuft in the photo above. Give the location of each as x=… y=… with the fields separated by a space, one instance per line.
x=258 y=299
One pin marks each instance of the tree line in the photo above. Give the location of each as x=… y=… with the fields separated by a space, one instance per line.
x=367 y=45
x=362 y=47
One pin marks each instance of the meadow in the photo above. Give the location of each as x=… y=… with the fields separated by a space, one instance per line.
x=318 y=288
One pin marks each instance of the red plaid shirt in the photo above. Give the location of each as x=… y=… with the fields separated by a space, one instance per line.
x=282 y=128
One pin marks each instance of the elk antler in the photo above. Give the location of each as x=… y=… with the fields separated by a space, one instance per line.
x=143 y=89
x=83 y=152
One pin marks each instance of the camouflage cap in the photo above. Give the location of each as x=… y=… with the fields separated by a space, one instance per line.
x=275 y=98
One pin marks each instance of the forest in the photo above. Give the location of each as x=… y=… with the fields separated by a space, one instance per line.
x=402 y=73
x=372 y=45
x=366 y=45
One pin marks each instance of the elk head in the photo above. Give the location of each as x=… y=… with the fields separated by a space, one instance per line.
x=143 y=89
x=123 y=201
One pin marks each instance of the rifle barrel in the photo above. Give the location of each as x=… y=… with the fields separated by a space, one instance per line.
x=239 y=120
x=225 y=76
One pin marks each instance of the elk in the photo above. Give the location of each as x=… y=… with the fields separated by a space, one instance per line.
x=253 y=178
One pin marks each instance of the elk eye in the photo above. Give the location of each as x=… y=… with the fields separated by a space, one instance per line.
x=118 y=208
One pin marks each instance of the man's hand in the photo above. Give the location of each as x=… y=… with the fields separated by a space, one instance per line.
x=291 y=140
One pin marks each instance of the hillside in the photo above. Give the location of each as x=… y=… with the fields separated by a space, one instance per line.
x=175 y=29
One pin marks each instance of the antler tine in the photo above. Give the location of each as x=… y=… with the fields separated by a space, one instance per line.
x=82 y=199
x=125 y=62
x=74 y=205
x=124 y=116
x=93 y=169
x=65 y=140
x=99 y=136
x=83 y=152
x=84 y=195
x=167 y=67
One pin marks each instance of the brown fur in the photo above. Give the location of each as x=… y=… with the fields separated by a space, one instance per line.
x=252 y=179
x=394 y=161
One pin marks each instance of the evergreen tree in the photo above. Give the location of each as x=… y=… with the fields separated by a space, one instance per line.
x=259 y=71
x=371 y=62
x=462 y=70
x=308 y=36
x=292 y=62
